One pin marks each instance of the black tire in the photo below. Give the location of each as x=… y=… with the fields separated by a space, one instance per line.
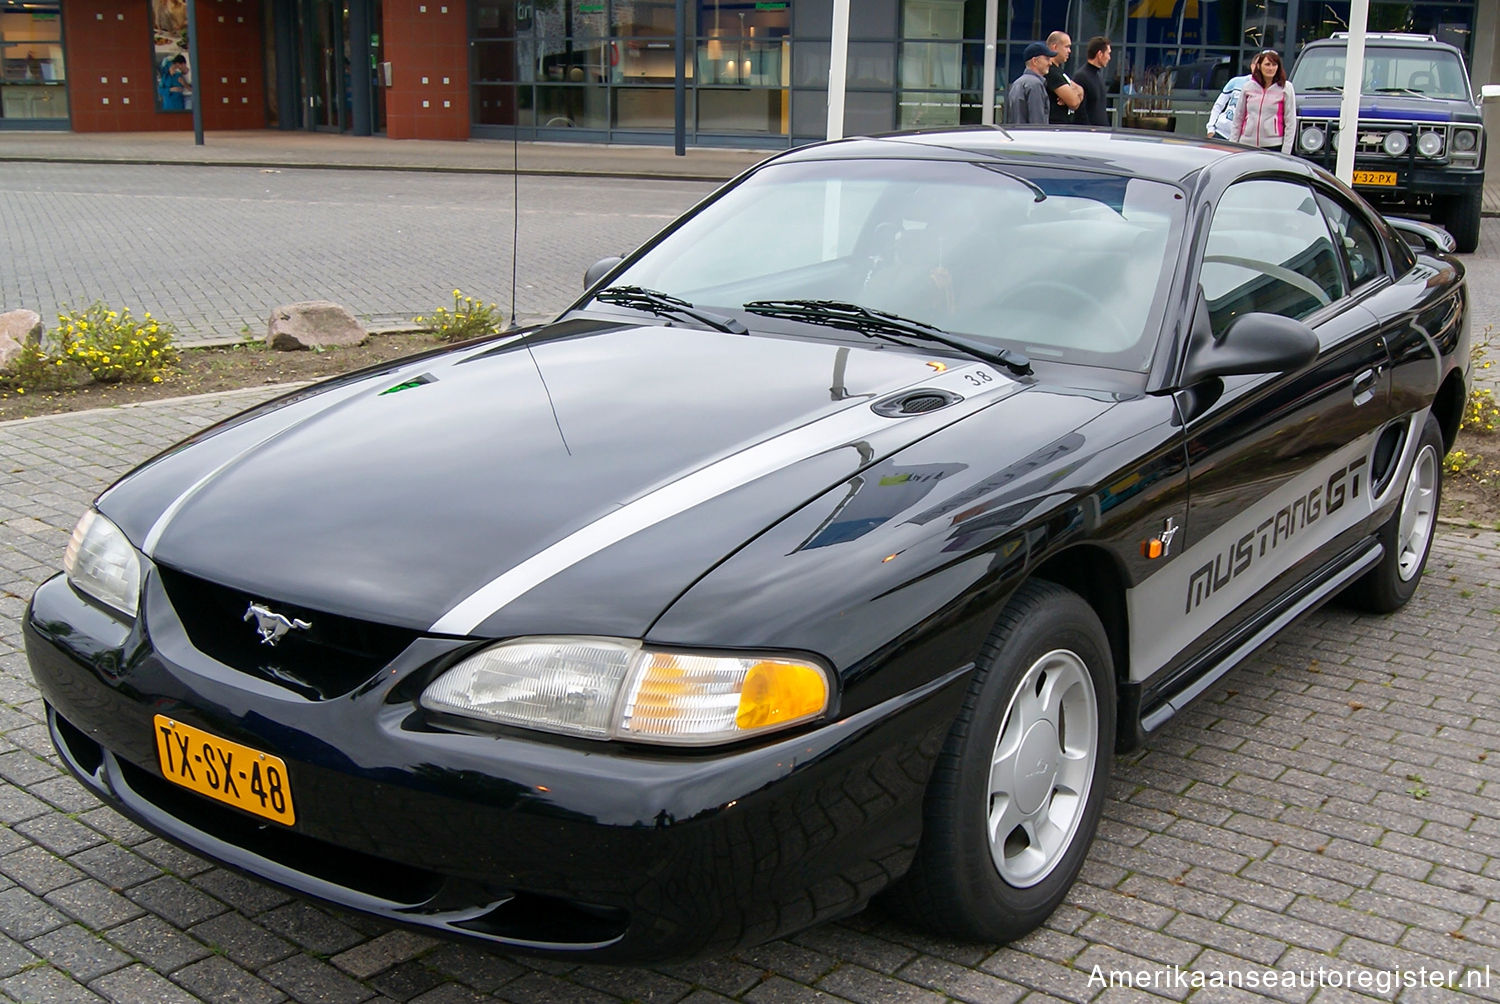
x=1407 y=535
x=1048 y=641
x=1460 y=217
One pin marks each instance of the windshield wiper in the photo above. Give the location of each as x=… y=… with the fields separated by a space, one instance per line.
x=1324 y=87
x=868 y=321
x=663 y=305
x=1399 y=90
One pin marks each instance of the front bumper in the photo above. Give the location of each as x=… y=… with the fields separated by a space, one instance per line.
x=1413 y=176
x=528 y=843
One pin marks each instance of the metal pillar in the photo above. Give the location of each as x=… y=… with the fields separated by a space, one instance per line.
x=838 y=69
x=1354 y=81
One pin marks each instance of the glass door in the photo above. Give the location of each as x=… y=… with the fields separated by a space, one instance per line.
x=325 y=77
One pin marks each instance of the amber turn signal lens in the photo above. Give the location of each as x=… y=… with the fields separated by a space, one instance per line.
x=777 y=692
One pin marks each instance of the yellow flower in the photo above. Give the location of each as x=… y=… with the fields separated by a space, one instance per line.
x=156 y=379
x=457 y=293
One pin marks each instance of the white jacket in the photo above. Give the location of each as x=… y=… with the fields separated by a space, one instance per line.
x=1266 y=116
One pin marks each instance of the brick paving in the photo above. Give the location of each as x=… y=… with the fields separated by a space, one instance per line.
x=214 y=249
x=1329 y=806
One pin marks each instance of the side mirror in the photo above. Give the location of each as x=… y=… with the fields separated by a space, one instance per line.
x=1487 y=91
x=1253 y=343
x=599 y=270
x=1423 y=236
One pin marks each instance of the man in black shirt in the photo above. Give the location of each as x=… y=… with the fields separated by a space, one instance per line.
x=1062 y=94
x=1091 y=78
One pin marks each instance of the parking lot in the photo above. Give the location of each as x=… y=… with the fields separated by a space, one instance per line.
x=1322 y=826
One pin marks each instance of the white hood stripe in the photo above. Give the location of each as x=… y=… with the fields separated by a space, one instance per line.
x=833 y=432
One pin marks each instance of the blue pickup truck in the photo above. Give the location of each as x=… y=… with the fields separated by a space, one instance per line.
x=1421 y=145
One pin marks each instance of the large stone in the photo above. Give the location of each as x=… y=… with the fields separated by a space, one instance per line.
x=17 y=329
x=313 y=324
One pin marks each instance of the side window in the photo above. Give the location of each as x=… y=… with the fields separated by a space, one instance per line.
x=1269 y=250
x=1357 y=242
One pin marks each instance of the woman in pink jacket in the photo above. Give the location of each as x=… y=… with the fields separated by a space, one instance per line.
x=1267 y=112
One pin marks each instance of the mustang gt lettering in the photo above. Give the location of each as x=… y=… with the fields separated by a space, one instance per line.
x=836 y=571
x=1301 y=512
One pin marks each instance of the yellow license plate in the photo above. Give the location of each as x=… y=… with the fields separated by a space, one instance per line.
x=243 y=777
x=1386 y=178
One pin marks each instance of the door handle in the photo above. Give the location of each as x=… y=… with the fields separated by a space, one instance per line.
x=1364 y=386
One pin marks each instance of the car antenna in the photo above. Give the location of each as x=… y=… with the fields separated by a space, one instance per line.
x=515 y=245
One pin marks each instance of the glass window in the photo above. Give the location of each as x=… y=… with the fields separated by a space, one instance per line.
x=742 y=110
x=1452 y=22
x=1269 y=250
x=572 y=106
x=494 y=104
x=1358 y=243
x=958 y=245
x=646 y=17
x=648 y=107
x=32 y=71
x=493 y=60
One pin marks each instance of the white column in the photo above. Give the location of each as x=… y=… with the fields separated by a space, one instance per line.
x=987 y=89
x=1354 y=82
x=838 y=69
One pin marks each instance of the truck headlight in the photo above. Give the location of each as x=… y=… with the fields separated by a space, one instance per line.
x=610 y=688
x=1465 y=140
x=1396 y=143
x=99 y=561
x=1430 y=144
x=1312 y=139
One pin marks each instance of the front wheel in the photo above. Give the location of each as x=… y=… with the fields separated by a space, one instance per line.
x=1407 y=535
x=1460 y=216
x=1017 y=791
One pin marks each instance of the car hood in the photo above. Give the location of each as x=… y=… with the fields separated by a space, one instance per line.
x=577 y=481
x=1390 y=107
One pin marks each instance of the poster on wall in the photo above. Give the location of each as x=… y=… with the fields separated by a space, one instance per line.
x=169 y=54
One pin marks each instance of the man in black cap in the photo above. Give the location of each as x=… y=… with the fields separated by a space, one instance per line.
x=1026 y=98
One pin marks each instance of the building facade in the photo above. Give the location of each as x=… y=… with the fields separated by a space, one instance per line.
x=605 y=70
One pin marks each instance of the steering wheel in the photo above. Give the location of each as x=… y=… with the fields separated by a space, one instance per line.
x=1069 y=302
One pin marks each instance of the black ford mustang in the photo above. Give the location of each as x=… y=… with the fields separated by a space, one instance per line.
x=832 y=543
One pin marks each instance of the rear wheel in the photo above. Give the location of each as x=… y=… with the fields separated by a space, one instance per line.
x=1407 y=535
x=1460 y=216
x=1017 y=791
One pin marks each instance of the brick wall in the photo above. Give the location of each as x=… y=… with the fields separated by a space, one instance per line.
x=426 y=42
x=112 y=79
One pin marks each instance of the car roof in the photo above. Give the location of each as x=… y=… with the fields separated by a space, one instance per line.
x=1391 y=39
x=1167 y=157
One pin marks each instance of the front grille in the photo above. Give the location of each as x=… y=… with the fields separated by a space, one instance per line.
x=328 y=659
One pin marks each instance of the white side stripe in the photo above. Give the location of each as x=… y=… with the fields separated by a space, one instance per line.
x=833 y=432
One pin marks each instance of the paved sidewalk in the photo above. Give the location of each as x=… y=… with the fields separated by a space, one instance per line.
x=1330 y=806
x=273 y=148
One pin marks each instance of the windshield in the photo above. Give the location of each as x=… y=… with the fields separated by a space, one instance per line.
x=1437 y=73
x=1062 y=265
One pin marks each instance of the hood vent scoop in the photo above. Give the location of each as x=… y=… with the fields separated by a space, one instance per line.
x=915 y=402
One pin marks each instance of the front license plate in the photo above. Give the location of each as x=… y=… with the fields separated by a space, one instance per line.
x=243 y=777
x=1385 y=178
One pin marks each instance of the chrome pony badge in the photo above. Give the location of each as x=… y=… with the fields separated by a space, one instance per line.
x=271 y=625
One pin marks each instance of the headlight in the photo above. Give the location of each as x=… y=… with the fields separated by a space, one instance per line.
x=1465 y=140
x=1312 y=139
x=99 y=561
x=1396 y=143
x=1430 y=144
x=606 y=688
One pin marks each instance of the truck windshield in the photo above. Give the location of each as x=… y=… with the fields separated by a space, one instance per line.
x=1434 y=72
